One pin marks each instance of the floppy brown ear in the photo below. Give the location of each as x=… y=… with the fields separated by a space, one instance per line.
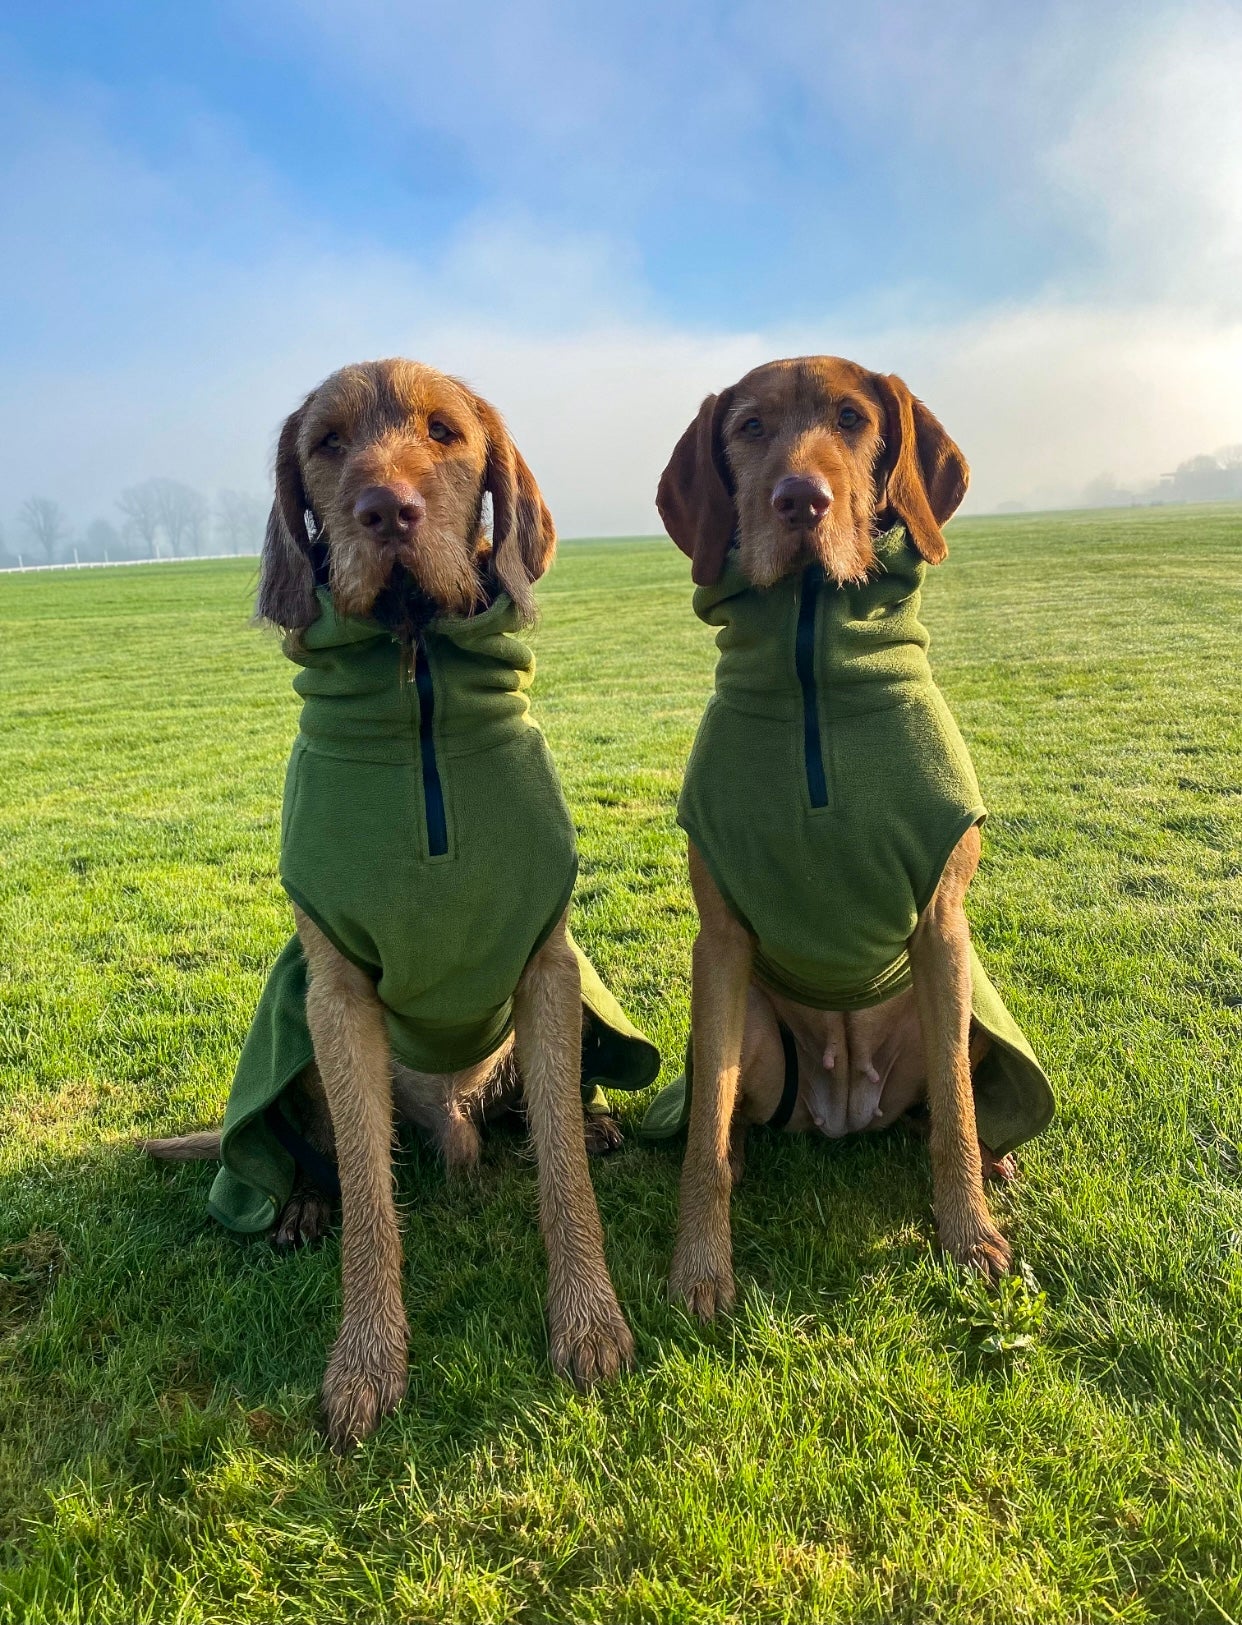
x=695 y=494
x=921 y=476
x=523 y=535
x=286 y=595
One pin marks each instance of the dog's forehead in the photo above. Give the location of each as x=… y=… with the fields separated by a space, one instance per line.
x=411 y=389
x=377 y=395
x=804 y=385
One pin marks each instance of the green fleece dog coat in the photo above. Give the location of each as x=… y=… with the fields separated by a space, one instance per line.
x=425 y=833
x=827 y=787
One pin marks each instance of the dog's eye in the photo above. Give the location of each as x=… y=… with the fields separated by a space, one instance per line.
x=751 y=429
x=848 y=418
x=331 y=442
x=440 y=431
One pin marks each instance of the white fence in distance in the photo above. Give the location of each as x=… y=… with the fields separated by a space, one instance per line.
x=21 y=568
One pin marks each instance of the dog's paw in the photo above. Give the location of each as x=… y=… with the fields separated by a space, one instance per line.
x=358 y=1394
x=703 y=1286
x=978 y=1247
x=603 y=1135
x=594 y=1350
x=1001 y=1170
x=304 y=1220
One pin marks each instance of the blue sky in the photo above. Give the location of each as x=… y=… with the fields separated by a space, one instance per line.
x=599 y=213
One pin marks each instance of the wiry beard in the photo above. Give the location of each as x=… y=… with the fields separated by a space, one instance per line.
x=403 y=608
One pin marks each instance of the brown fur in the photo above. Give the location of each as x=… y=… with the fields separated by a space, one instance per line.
x=371 y=425
x=858 y=1071
x=398 y=427
x=895 y=463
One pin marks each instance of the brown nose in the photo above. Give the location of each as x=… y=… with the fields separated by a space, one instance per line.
x=392 y=513
x=801 y=501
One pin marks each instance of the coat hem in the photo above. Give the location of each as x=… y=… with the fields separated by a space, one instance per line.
x=307 y=908
x=969 y=820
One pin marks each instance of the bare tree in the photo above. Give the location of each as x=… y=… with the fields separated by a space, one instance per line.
x=240 y=518
x=165 y=508
x=44 y=522
x=141 y=506
x=183 y=515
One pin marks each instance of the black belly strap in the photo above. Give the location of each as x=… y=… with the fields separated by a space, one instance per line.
x=789 y=1094
x=318 y=1169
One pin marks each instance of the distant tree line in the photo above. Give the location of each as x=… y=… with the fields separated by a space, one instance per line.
x=159 y=518
x=1210 y=477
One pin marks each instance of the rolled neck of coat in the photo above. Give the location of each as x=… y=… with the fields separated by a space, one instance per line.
x=360 y=697
x=868 y=640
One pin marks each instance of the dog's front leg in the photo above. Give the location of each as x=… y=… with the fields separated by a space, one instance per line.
x=940 y=962
x=367 y=1370
x=702 y=1269
x=589 y=1337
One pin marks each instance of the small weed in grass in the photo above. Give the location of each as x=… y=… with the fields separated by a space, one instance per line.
x=1005 y=1319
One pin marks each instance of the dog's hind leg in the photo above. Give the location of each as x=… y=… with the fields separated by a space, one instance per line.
x=589 y=1337
x=306 y=1216
x=367 y=1370
x=940 y=961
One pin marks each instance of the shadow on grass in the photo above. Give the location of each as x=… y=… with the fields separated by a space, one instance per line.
x=163 y=1341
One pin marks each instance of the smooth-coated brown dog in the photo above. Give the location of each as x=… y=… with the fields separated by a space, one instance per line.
x=391 y=462
x=806 y=461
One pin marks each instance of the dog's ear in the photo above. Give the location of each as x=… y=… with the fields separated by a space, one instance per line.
x=921 y=476
x=695 y=494
x=523 y=535
x=286 y=595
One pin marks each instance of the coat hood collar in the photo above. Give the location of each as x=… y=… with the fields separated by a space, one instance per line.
x=332 y=631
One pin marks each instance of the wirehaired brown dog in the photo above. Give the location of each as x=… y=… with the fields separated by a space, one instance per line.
x=381 y=476
x=791 y=477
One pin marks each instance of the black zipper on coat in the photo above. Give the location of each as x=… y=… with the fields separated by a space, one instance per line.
x=433 y=790
x=804 y=662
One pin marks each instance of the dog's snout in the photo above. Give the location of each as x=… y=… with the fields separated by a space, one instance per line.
x=801 y=500
x=392 y=513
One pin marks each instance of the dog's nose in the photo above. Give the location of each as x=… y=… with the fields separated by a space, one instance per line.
x=801 y=500
x=392 y=513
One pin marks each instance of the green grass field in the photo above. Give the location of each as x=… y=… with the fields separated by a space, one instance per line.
x=845 y=1447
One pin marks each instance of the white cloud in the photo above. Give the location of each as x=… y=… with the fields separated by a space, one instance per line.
x=166 y=316
x=1047 y=397
x=1041 y=399
x=1153 y=158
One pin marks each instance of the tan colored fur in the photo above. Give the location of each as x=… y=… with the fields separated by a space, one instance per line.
x=880 y=456
x=430 y=450
x=940 y=963
x=400 y=424
x=185 y=1148
x=589 y=1337
x=366 y=1374
x=702 y=1269
x=794 y=407
x=739 y=1078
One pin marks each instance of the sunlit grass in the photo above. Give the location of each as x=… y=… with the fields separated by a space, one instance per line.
x=845 y=1447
